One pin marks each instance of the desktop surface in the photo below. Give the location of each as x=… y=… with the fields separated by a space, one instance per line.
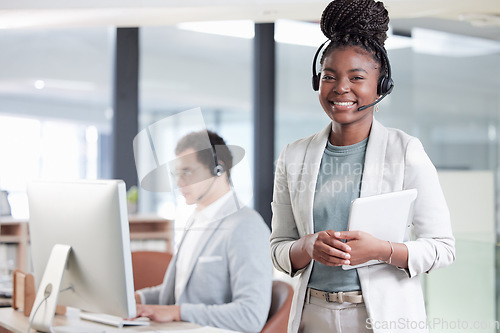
x=16 y=322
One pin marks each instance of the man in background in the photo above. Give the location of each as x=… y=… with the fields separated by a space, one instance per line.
x=221 y=275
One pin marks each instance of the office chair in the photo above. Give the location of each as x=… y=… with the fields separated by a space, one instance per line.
x=281 y=302
x=149 y=268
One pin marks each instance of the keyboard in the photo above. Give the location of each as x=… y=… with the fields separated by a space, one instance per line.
x=111 y=320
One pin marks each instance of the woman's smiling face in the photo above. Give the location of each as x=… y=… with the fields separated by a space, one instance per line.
x=349 y=78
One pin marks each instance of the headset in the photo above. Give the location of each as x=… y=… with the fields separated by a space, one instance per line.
x=385 y=84
x=218 y=170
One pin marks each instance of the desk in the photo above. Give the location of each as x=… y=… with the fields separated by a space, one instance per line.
x=14 y=321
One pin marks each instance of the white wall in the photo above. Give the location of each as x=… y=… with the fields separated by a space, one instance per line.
x=463 y=295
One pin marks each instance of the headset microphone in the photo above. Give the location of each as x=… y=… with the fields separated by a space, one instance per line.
x=207 y=190
x=361 y=108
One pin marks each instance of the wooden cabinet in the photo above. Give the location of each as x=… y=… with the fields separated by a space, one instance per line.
x=142 y=227
x=150 y=227
x=15 y=232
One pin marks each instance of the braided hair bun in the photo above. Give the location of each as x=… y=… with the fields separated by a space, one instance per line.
x=361 y=19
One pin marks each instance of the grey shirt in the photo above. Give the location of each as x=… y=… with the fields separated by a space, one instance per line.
x=338 y=183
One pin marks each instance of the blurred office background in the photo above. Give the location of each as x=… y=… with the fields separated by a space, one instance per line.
x=56 y=105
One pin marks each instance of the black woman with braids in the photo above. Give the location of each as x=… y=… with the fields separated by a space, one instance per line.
x=355 y=156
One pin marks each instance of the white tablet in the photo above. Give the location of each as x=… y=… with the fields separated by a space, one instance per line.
x=386 y=216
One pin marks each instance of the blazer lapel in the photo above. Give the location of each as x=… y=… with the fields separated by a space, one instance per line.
x=309 y=176
x=373 y=172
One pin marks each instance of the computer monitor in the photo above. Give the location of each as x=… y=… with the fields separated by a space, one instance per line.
x=80 y=247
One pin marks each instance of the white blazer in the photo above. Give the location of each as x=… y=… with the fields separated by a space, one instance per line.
x=394 y=161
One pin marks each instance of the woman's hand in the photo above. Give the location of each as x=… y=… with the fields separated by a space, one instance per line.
x=322 y=247
x=159 y=313
x=364 y=247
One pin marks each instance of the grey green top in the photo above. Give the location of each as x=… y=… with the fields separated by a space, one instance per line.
x=338 y=183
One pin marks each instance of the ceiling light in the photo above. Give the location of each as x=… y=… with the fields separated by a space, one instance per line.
x=481 y=20
x=39 y=84
x=298 y=33
x=286 y=31
x=450 y=45
x=242 y=29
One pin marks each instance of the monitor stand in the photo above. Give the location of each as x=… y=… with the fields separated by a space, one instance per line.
x=43 y=310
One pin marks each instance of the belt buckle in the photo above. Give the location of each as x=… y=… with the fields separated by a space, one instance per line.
x=340 y=297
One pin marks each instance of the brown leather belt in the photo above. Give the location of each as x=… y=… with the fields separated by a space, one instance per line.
x=340 y=297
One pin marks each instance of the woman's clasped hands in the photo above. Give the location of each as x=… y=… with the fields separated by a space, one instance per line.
x=336 y=248
x=324 y=247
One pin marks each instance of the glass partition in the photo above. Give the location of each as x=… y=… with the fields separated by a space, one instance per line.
x=54 y=107
x=182 y=68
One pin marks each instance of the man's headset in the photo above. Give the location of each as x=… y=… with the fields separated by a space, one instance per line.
x=385 y=84
x=218 y=170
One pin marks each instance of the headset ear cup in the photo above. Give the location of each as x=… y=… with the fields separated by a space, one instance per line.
x=385 y=86
x=381 y=88
x=315 y=75
x=218 y=170
x=390 y=85
x=315 y=82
